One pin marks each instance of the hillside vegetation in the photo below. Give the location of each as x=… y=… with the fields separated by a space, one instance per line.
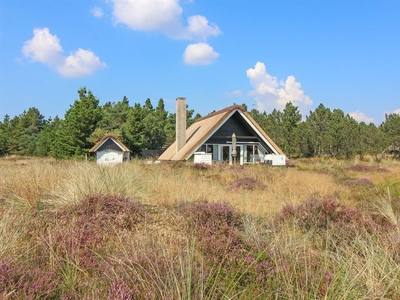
x=322 y=229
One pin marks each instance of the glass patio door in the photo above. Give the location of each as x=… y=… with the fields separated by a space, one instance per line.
x=225 y=154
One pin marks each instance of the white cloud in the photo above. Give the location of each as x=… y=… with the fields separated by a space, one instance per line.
x=45 y=48
x=147 y=15
x=97 y=12
x=291 y=92
x=361 y=117
x=199 y=54
x=271 y=93
x=235 y=93
x=164 y=16
x=397 y=111
x=199 y=27
x=80 y=63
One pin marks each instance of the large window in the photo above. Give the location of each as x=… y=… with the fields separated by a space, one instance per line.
x=254 y=154
x=246 y=153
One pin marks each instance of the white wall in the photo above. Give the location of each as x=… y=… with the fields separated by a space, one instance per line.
x=109 y=156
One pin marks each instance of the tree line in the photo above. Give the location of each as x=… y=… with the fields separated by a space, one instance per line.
x=143 y=127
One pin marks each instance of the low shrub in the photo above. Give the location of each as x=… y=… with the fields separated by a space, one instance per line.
x=217 y=226
x=246 y=183
x=201 y=166
x=21 y=282
x=316 y=213
x=119 y=290
x=364 y=168
x=358 y=181
x=105 y=210
x=323 y=214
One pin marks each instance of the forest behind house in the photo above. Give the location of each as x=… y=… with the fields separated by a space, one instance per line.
x=323 y=131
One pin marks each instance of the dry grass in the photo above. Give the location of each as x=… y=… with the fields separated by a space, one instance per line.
x=347 y=251
x=29 y=182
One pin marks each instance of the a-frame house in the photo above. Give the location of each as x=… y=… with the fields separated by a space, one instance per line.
x=212 y=135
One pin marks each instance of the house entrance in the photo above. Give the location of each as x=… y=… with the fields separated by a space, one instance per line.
x=225 y=154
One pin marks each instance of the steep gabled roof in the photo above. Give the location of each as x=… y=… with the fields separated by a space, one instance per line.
x=199 y=132
x=114 y=139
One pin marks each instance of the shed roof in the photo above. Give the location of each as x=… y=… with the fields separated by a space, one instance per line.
x=198 y=133
x=114 y=139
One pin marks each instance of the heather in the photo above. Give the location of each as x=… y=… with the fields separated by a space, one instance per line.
x=322 y=229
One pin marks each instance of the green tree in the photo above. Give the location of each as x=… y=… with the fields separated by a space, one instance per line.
x=81 y=119
x=319 y=129
x=133 y=131
x=260 y=118
x=24 y=130
x=368 y=140
x=5 y=135
x=157 y=134
x=273 y=126
x=304 y=140
x=391 y=128
x=335 y=137
x=349 y=136
x=114 y=115
x=45 y=140
x=291 y=118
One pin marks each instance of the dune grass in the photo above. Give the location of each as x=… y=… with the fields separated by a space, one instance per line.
x=323 y=229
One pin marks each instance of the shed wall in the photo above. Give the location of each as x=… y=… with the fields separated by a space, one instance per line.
x=109 y=156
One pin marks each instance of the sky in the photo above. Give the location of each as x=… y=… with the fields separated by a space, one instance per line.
x=344 y=54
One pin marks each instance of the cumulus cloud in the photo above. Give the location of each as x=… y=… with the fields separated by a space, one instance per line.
x=164 y=16
x=45 y=48
x=397 y=111
x=199 y=54
x=269 y=92
x=147 y=15
x=80 y=63
x=199 y=27
x=97 y=12
x=361 y=117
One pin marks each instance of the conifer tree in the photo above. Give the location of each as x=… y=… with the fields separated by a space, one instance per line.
x=5 y=135
x=80 y=121
x=133 y=131
x=291 y=118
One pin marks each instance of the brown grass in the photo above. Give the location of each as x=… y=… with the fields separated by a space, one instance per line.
x=90 y=255
x=30 y=182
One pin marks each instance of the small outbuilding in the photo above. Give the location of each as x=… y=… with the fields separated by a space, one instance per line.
x=110 y=150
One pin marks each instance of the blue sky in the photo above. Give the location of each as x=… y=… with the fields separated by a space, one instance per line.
x=343 y=54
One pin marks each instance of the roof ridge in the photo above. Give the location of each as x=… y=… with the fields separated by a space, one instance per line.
x=226 y=109
x=109 y=136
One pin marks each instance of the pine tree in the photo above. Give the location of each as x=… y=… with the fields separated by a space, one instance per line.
x=80 y=121
x=45 y=140
x=391 y=128
x=133 y=131
x=319 y=129
x=5 y=135
x=291 y=118
x=114 y=115
x=24 y=130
